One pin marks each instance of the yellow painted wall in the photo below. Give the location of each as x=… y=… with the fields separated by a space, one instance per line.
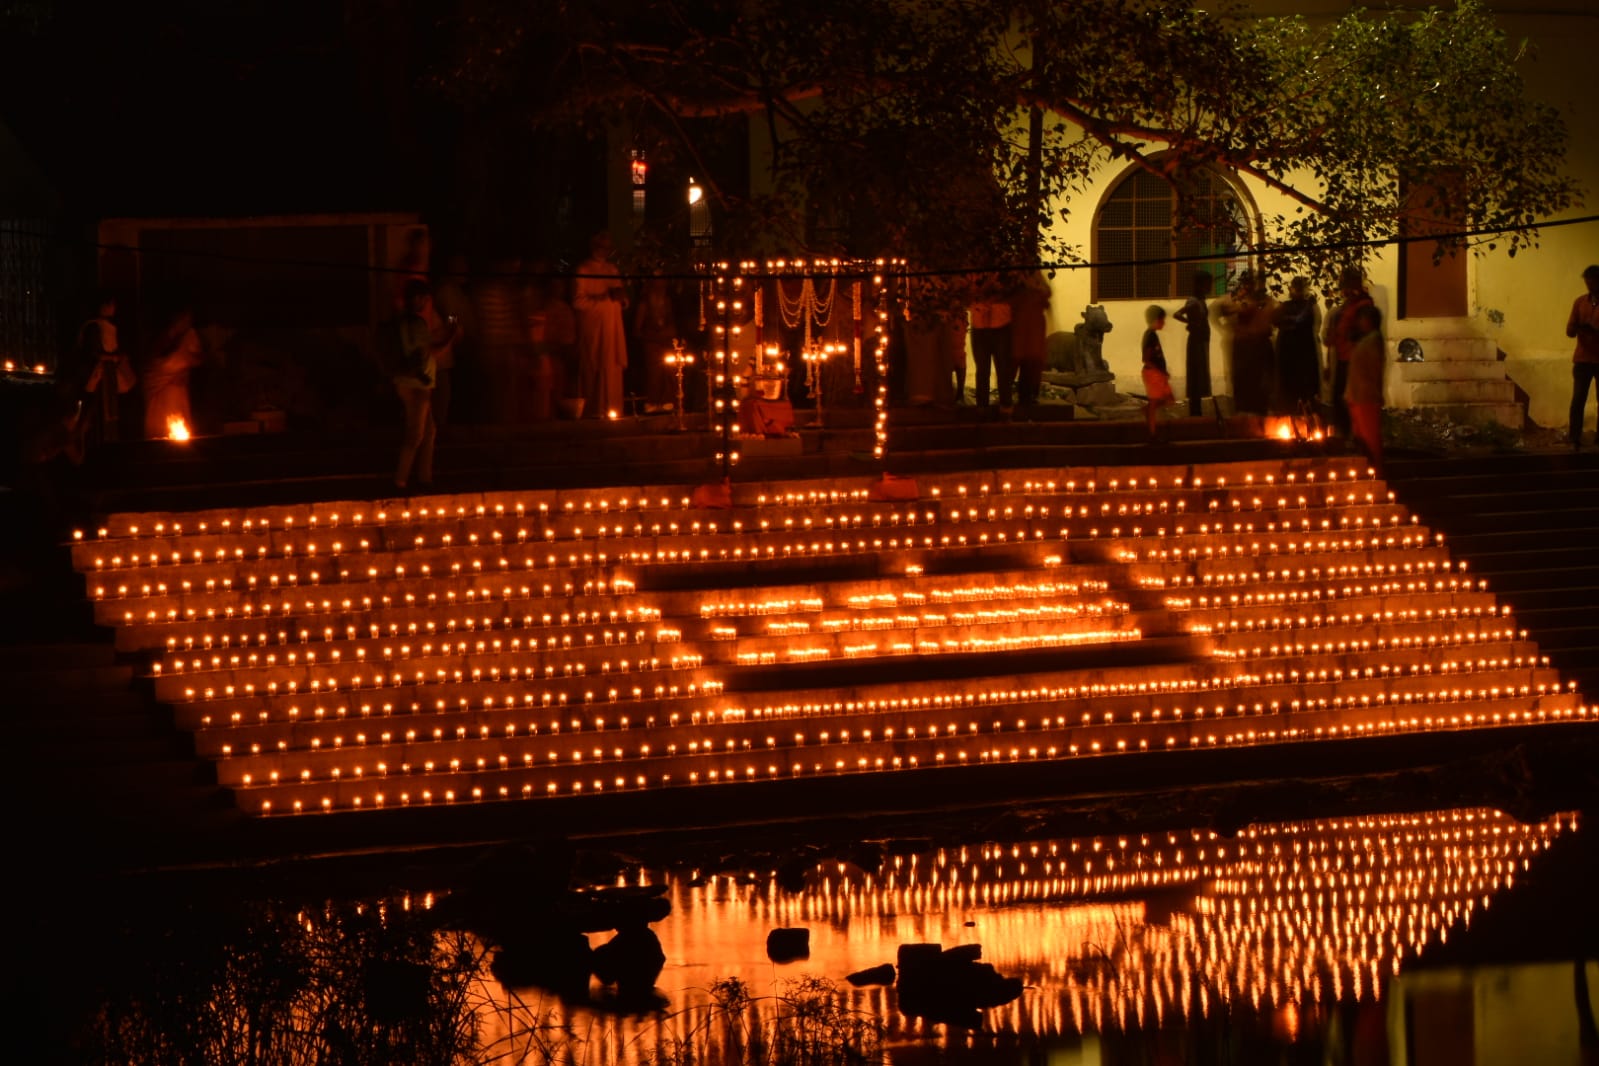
x=1534 y=291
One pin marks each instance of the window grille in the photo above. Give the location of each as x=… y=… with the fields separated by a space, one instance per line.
x=27 y=312
x=1137 y=236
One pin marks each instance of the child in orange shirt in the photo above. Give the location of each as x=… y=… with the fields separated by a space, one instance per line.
x=1157 y=380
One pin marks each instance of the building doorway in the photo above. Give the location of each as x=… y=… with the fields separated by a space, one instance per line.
x=1429 y=288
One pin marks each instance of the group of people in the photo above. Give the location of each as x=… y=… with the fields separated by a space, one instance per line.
x=1009 y=338
x=535 y=344
x=1001 y=315
x=1276 y=362
x=106 y=380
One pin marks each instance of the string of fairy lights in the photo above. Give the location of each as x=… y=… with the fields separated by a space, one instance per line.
x=736 y=300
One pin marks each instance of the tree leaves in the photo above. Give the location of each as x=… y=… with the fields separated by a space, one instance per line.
x=903 y=128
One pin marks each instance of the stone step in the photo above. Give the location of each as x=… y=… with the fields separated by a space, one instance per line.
x=804 y=693
x=1441 y=340
x=1468 y=546
x=1361 y=557
x=663 y=510
x=1579 y=663
x=1444 y=393
x=713 y=558
x=1494 y=477
x=590 y=455
x=1511 y=415
x=1531 y=607
x=657 y=533
x=1568 y=582
x=1571 y=640
x=1552 y=549
x=1538 y=505
x=467 y=785
x=1559 y=612
x=874 y=648
x=1531 y=524
x=1448 y=370
x=289 y=751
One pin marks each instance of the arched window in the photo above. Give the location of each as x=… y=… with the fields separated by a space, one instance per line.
x=1137 y=235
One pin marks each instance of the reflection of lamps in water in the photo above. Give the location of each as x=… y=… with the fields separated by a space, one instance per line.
x=1410 y=351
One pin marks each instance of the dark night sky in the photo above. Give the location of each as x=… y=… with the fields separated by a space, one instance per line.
x=236 y=107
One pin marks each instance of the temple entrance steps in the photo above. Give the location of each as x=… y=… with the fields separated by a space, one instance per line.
x=1461 y=377
x=1526 y=525
x=345 y=655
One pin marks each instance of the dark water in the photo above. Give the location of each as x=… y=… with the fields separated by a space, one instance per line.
x=1443 y=936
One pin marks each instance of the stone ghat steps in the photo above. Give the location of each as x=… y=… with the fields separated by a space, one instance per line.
x=1508 y=673
x=353 y=720
x=573 y=659
x=467 y=782
x=293 y=467
x=1528 y=517
x=464 y=593
x=166 y=548
x=636 y=637
x=459 y=576
x=1525 y=524
x=745 y=536
x=1366 y=637
x=1314 y=478
x=367 y=720
x=597 y=617
x=632 y=667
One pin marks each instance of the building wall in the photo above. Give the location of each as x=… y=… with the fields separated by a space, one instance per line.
x=1533 y=290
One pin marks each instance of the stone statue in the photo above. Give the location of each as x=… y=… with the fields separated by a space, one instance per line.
x=1078 y=357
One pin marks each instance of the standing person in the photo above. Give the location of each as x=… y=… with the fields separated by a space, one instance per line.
x=654 y=328
x=1584 y=326
x=599 y=300
x=1363 y=388
x=1195 y=314
x=453 y=302
x=991 y=340
x=957 y=359
x=1250 y=312
x=1029 y=304
x=552 y=332
x=1157 y=379
x=106 y=371
x=413 y=371
x=173 y=357
x=1298 y=365
x=1339 y=337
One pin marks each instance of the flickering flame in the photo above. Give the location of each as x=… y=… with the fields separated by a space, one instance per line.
x=177 y=428
x=1280 y=428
